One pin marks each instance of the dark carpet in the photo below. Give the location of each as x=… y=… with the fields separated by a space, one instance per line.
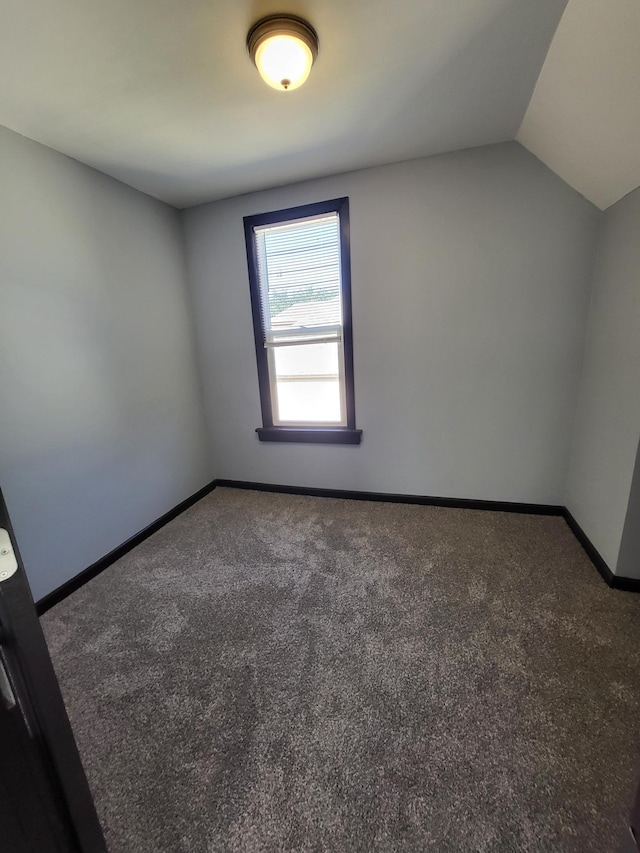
x=280 y=673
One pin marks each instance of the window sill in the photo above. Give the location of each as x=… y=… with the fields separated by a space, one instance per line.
x=310 y=435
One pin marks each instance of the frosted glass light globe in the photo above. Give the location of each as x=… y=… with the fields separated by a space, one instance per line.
x=284 y=61
x=283 y=47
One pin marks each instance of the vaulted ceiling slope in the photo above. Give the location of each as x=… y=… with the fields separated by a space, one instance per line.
x=162 y=95
x=584 y=117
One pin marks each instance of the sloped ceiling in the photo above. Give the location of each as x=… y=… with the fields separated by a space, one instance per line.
x=162 y=95
x=584 y=117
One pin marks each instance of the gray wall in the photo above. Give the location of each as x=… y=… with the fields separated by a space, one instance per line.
x=101 y=422
x=471 y=275
x=607 y=427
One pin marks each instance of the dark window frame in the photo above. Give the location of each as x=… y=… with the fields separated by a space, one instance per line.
x=320 y=434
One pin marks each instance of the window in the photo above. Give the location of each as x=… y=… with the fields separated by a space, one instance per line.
x=299 y=275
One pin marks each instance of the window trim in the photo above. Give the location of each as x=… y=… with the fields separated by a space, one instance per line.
x=324 y=434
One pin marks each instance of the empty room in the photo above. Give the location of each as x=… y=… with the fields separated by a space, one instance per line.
x=320 y=426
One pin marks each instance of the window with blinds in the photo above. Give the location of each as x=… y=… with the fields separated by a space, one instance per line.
x=300 y=290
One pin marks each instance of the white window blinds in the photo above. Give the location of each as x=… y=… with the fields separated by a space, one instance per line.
x=299 y=280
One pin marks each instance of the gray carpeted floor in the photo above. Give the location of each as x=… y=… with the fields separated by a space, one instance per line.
x=280 y=673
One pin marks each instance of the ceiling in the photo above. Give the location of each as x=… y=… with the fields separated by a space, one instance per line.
x=584 y=117
x=162 y=95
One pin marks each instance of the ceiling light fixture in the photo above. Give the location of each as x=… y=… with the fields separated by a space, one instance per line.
x=283 y=48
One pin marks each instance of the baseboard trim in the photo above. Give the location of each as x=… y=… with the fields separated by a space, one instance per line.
x=423 y=500
x=612 y=580
x=589 y=548
x=48 y=601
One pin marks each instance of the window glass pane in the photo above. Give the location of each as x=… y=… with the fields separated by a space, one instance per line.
x=308 y=383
